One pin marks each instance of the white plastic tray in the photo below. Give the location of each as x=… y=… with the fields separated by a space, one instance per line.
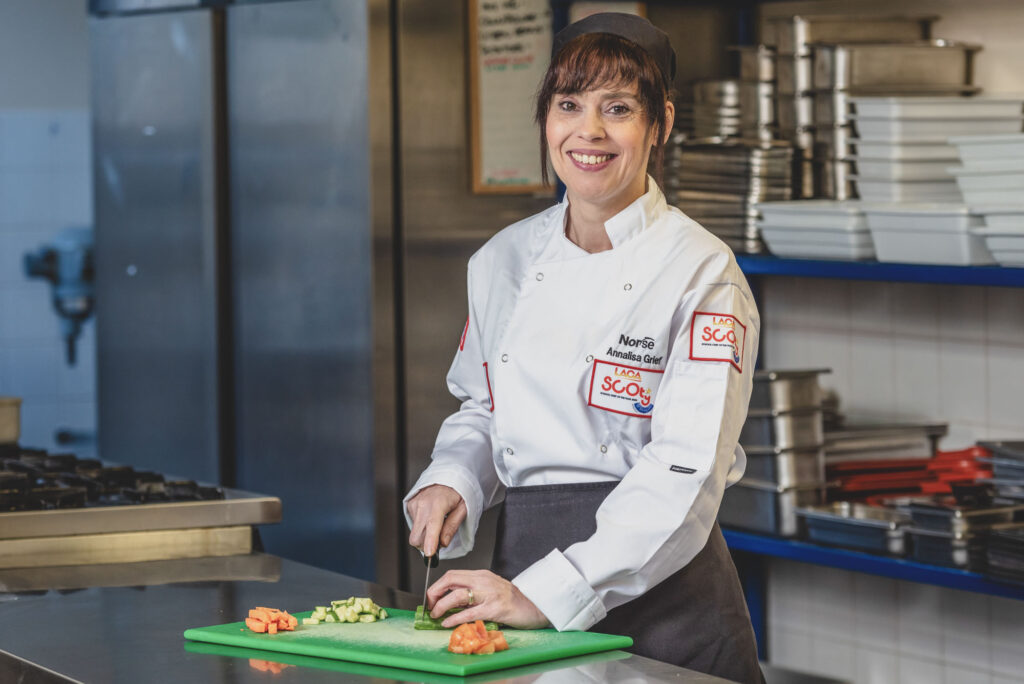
x=924 y=217
x=881 y=190
x=952 y=107
x=991 y=175
x=929 y=129
x=975 y=148
x=821 y=214
x=1010 y=218
x=903 y=169
x=785 y=248
x=927 y=234
x=997 y=243
x=853 y=238
x=918 y=151
x=1009 y=257
x=984 y=197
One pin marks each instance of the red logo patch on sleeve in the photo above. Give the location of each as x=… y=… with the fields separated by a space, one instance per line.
x=717 y=337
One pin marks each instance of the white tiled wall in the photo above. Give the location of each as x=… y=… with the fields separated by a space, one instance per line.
x=45 y=187
x=874 y=630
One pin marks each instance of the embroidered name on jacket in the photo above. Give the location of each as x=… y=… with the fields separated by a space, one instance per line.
x=623 y=389
x=640 y=345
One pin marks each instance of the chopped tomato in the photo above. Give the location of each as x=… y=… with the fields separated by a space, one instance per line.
x=256 y=625
x=473 y=637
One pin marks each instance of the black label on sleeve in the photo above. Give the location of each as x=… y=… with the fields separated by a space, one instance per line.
x=681 y=469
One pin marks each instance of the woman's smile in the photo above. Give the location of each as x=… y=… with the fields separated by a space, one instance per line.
x=591 y=161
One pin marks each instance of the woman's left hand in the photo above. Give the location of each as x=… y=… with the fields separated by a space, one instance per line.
x=484 y=596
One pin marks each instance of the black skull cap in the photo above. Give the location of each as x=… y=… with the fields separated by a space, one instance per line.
x=633 y=28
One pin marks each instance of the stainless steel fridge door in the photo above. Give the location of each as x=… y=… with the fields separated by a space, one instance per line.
x=301 y=264
x=155 y=242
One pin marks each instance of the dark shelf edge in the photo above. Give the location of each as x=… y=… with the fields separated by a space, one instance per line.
x=845 y=559
x=998 y=276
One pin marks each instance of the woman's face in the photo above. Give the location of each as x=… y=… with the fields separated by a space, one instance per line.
x=599 y=142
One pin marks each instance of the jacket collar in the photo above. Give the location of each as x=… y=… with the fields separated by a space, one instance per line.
x=632 y=220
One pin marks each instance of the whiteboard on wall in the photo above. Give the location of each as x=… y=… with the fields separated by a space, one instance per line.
x=510 y=48
x=584 y=8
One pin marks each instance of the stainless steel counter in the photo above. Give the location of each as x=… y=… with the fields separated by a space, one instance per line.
x=126 y=626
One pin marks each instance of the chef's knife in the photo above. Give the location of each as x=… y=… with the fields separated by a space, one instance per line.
x=430 y=562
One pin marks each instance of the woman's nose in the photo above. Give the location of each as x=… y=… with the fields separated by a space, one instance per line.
x=591 y=126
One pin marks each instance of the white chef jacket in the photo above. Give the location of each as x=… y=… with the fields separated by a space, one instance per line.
x=633 y=364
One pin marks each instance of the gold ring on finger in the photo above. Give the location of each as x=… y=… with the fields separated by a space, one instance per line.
x=470 y=593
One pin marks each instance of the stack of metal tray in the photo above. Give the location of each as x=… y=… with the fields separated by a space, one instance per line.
x=717 y=182
x=716 y=108
x=1007 y=468
x=794 y=38
x=883 y=441
x=877 y=529
x=1004 y=554
x=757 y=91
x=948 y=532
x=782 y=438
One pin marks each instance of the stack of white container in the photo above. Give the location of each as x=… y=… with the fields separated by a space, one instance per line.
x=824 y=229
x=991 y=179
x=903 y=158
x=915 y=131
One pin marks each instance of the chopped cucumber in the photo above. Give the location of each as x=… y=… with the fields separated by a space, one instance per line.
x=422 y=620
x=310 y=621
x=367 y=617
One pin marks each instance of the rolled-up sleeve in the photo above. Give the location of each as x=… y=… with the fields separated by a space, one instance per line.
x=660 y=515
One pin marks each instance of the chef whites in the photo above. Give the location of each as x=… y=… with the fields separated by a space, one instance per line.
x=632 y=364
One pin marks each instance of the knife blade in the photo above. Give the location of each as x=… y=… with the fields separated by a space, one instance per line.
x=430 y=562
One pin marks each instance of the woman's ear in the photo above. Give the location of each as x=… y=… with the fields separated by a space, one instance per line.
x=670 y=119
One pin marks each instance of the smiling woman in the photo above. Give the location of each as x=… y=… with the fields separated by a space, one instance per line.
x=594 y=410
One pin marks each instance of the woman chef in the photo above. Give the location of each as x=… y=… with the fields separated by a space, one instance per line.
x=604 y=374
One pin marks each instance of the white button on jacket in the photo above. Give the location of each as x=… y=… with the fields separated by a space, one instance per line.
x=672 y=329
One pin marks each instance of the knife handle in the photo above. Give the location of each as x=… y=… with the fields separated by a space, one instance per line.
x=430 y=561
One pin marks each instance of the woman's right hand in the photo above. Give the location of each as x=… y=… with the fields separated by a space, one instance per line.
x=436 y=512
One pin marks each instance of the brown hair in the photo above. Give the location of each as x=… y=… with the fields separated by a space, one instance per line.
x=595 y=60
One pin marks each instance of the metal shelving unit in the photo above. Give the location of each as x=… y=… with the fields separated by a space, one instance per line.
x=881 y=271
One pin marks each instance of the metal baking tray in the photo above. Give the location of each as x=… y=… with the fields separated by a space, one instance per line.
x=947 y=516
x=857 y=65
x=857 y=526
x=757 y=62
x=766 y=507
x=801 y=428
x=952 y=549
x=793 y=34
x=785 y=390
x=883 y=441
x=786 y=467
x=793 y=74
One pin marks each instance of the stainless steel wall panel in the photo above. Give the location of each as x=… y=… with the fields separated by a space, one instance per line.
x=301 y=259
x=155 y=242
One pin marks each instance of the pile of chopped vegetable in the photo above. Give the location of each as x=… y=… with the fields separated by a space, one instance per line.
x=351 y=609
x=475 y=638
x=422 y=619
x=270 y=620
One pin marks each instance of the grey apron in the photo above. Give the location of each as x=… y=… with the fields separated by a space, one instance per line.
x=696 y=619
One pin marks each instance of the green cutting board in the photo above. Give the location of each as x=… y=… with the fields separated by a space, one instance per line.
x=394 y=643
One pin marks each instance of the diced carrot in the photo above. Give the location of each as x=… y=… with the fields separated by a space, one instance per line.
x=256 y=625
x=293 y=622
x=260 y=614
x=272 y=628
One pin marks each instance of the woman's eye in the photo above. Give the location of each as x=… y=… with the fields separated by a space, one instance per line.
x=567 y=106
x=618 y=110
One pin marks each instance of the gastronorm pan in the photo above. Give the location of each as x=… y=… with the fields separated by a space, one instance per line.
x=857 y=526
x=757 y=103
x=785 y=390
x=849 y=66
x=724 y=92
x=945 y=515
x=783 y=429
x=786 y=467
x=794 y=34
x=952 y=549
x=795 y=111
x=824 y=214
x=883 y=441
x=793 y=74
x=757 y=62
x=765 y=507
